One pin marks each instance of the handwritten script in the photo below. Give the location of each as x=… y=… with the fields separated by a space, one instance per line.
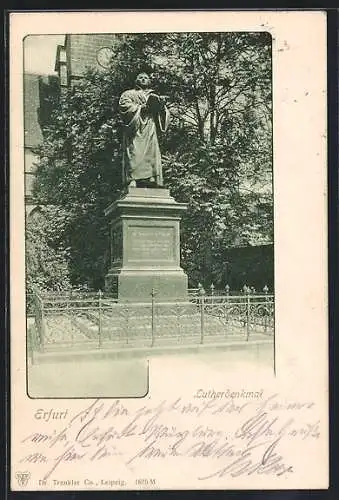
x=231 y=438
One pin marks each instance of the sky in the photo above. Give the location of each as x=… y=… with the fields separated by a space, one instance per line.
x=40 y=53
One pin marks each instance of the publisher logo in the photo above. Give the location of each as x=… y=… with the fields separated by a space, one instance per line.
x=23 y=478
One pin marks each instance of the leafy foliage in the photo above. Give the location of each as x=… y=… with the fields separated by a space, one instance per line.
x=46 y=255
x=217 y=153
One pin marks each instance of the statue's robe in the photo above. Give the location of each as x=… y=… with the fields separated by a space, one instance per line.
x=141 y=153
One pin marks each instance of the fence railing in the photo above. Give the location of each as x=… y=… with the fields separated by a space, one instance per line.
x=213 y=290
x=96 y=320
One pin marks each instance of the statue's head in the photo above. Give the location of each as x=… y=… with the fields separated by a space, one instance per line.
x=143 y=80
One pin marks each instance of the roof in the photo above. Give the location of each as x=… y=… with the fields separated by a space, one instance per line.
x=33 y=135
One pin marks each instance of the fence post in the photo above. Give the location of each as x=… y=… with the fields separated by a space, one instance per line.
x=70 y=315
x=126 y=310
x=202 y=313
x=36 y=317
x=248 y=307
x=265 y=290
x=100 y=319
x=153 y=294
x=227 y=290
x=42 y=329
x=243 y=301
x=178 y=311
x=212 y=293
x=31 y=343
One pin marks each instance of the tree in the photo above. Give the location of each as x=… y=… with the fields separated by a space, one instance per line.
x=47 y=257
x=217 y=154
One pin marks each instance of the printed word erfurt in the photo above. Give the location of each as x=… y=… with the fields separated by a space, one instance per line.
x=228 y=394
x=52 y=414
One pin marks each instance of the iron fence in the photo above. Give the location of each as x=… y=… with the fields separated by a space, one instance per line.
x=213 y=290
x=96 y=320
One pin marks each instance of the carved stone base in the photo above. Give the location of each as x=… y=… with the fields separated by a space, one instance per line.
x=145 y=246
x=138 y=285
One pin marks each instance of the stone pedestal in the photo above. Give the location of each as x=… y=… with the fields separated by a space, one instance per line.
x=145 y=246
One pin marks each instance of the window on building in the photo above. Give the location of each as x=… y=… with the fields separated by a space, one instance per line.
x=63 y=75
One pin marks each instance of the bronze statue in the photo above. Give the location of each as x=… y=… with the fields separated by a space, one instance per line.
x=145 y=115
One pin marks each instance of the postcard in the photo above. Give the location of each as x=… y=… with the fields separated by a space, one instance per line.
x=168 y=250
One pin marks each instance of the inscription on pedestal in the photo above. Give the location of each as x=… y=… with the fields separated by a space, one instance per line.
x=151 y=243
x=145 y=247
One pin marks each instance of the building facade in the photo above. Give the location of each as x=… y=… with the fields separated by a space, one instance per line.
x=38 y=90
x=81 y=52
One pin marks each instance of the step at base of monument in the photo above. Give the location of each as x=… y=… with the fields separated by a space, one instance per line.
x=138 y=286
x=112 y=351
